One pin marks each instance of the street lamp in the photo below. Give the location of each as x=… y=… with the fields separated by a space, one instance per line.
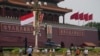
x=36 y=25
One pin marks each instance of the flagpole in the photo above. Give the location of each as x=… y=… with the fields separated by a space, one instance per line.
x=83 y=23
x=78 y=23
x=36 y=25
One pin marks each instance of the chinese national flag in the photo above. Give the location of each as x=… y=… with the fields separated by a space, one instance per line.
x=86 y=17
x=74 y=16
x=90 y=16
x=81 y=16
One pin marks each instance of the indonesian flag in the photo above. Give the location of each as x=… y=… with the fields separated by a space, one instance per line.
x=28 y=18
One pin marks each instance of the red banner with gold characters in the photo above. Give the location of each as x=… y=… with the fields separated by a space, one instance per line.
x=7 y=27
x=49 y=31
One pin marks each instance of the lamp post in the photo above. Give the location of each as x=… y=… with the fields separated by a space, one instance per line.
x=36 y=24
x=36 y=29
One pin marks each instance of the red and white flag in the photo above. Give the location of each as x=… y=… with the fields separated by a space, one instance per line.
x=28 y=18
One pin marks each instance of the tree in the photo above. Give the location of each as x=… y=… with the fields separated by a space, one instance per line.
x=93 y=24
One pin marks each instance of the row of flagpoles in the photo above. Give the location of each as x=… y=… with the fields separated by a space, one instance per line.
x=81 y=16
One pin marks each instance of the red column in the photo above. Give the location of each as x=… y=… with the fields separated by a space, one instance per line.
x=2 y=11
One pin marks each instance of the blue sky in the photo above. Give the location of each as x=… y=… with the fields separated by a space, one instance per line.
x=86 y=6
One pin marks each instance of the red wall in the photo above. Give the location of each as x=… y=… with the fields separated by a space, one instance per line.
x=68 y=36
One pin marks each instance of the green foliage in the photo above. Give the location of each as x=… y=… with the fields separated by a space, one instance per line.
x=41 y=49
x=93 y=24
x=61 y=50
x=96 y=50
x=15 y=50
x=57 y=49
x=7 y=49
x=12 y=49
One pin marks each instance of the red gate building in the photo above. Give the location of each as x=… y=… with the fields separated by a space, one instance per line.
x=13 y=34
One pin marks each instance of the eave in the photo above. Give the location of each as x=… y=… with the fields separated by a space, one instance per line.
x=57 y=1
x=45 y=7
x=58 y=9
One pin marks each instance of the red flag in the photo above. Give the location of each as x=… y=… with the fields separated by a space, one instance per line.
x=41 y=17
x=90 y=16
x=86 y=17
x=81 y=16
x=74 y=16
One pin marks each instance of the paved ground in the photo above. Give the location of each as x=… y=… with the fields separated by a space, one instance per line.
x=7 y=53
